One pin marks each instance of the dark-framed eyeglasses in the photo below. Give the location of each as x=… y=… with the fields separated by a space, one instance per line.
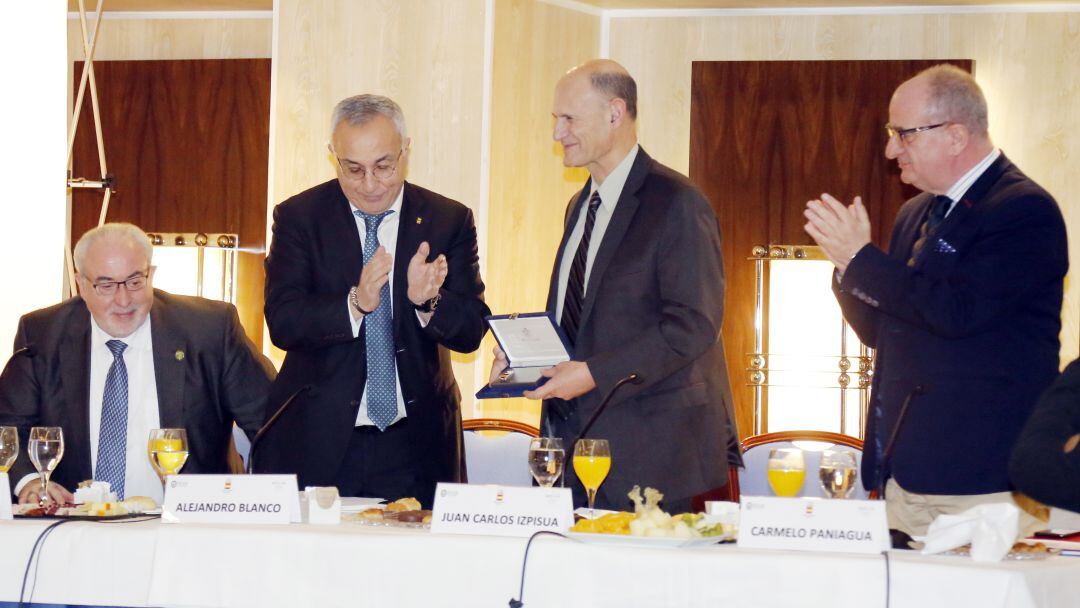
x=108 y=288
x=906 y=135
x=382 y=171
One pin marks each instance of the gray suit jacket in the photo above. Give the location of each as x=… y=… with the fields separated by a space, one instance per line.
x=653 y=305
x=208 y=374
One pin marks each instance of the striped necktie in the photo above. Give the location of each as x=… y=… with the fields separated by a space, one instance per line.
x=379 y=339
x=112 y=437
x=575 y=283
x=937 y=213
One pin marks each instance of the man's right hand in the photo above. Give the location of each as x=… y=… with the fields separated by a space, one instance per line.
x=31 y=493
x=375 y=274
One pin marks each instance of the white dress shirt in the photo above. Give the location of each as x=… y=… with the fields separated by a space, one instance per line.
x=962 y=185
x=610 y=191
x=143 y=415
x=388 y=231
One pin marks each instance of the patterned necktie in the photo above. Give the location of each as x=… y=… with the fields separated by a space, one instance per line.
x=379 y=339
x=933 y=220
x=575 y=283
x=112 y=437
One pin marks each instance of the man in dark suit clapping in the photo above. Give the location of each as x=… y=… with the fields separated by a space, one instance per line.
x=963 y=310
x=370 y=281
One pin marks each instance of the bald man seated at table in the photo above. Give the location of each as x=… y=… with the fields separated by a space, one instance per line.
x=122 y=358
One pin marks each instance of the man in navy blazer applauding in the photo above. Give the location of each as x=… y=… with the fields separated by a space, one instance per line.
x=963 y=310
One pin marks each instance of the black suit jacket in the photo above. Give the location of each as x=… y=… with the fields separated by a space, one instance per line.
x=974 y=323
x=208 y=375
x=1039 y=466
x=653 y=305
x=315 y=258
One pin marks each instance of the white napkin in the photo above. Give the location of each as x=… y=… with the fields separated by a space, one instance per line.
x=990 y=528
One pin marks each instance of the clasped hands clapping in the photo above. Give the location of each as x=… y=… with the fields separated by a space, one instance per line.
x=425 y=278
x=840 y=231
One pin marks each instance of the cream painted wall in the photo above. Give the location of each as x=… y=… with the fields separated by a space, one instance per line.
x=535 y=43
x=426 y=55
x=1026 y=63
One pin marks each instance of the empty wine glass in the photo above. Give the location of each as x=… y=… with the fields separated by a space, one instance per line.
x=46 y=448
x=787 y=471
x=9 y=447
x=546 y=460
x=837 y=473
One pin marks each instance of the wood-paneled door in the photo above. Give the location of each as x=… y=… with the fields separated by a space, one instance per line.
x=767 y=136
x=188 y=142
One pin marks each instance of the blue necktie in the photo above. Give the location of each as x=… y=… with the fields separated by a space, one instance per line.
x=379 y=339
x=575 y=282
x=112 y=438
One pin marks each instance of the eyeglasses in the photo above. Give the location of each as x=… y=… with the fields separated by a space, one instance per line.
x=906 y=135
x=108 y=288
x=382 y=171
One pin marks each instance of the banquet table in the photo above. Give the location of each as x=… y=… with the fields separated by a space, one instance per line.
x=148 y=563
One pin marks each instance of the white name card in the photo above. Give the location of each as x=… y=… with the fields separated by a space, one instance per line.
x=813 y=524
x=500 y=510
x=5 y=497
x=231 y=499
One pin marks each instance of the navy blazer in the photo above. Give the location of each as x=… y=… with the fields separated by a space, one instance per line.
x=970 y=332
x=315 y=258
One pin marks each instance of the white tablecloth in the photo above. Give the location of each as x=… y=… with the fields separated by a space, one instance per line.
x=154 y=564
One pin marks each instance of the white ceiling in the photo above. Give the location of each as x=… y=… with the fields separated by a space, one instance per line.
x=265 y=5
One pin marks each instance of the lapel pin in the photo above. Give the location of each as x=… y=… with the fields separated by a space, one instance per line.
x=419 y=220
x=179 y=355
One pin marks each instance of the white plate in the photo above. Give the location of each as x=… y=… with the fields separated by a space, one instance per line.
x=626 y=540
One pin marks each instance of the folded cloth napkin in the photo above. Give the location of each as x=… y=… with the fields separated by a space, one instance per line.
x=991 y=529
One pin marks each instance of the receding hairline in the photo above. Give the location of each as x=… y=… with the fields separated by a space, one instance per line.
x=118 y=233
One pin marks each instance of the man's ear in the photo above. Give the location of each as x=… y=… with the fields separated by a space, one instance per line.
x=959 y=137
x=617 y=109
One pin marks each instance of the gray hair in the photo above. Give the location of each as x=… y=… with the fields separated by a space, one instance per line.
x=617 y=84
x=956 y=97
x=359 y=109
x=112 y=232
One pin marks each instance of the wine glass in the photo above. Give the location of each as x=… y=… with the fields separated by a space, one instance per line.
x=168 y=450
x=46 y=448
x=787 y=471
x=546 y=460
x=9 y=447
x=837 y=473
x=592 y=461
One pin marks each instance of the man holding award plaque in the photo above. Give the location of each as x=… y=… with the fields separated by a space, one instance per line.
x=121 y=359
x=637 y=288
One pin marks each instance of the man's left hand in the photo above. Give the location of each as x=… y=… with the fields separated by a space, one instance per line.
x=425 y=278
x=566 y=380
x=840 y=231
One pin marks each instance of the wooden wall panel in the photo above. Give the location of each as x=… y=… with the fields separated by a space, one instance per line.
x=1025 y=63
x=765 y=137
x=188 y=142
x=174 y=38
x=427 y=55
x=535 y=44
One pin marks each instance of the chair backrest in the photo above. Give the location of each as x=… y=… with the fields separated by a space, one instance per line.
x=500 y=458
x=753 y=480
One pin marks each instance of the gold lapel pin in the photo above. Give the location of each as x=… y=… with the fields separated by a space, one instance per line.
x=179 y=355
x=419 y=220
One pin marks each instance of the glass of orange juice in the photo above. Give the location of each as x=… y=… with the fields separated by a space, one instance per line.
x=592 y=461
x=787 y=471
x=168 y=451
x=9 y=447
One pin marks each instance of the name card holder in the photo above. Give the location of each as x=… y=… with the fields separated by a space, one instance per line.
x=5 y=497
x=813 y=524
x=231 y=499
x=500 y=510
